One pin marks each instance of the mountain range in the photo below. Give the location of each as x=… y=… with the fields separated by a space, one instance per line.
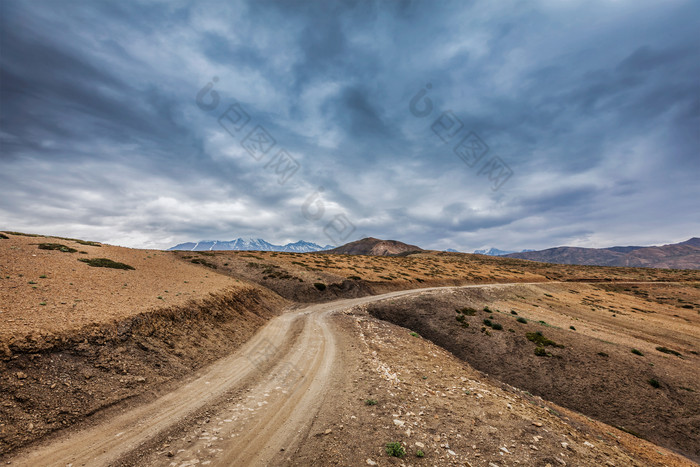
x=251 y=244
x=497 y=252
x=684 y=255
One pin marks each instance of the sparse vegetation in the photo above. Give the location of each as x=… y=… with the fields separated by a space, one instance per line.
x=415 y=334
x=540 y=340
x=637 y=352
x=56 y=246
x=654 y=383
x=105 y=263
x=420 y=453
x=203 y=262
x=20 y=234
x=371 y=402
x=395 y=449
x=669 y=351
x=4 y=237
x=521 y=320
x=572 y=328
x=468 y=311
x=540 y=352
x=603 y=354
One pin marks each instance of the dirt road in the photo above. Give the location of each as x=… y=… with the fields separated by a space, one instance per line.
x=270 y=388
x=253 y=407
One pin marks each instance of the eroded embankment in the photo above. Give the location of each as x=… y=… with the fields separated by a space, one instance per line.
x=49 y=382
x=589 y=367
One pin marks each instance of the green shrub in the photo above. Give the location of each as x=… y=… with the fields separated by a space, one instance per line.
x=415 y=334
x=540 y=340
x=104 y=263
x=487 y=322
x=395 y=449
x=654 y=383
x=4 y=237
x=572 y=328
x=521 y=320
x=420 y=453
x=460 y=318
x=513 y=312
x=669 y=351
x=370 y=402
x=497 y=327
x=540 y=352
x=56 y=246
x=203 y=262
x=603 y=354
x=320 y=286
x=637 y=352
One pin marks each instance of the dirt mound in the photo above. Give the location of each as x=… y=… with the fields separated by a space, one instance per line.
x=51 y=384
x=578 y=346
x=45 y=288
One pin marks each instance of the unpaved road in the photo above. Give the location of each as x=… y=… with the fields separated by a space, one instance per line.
x=265 y=395
x=271 y=386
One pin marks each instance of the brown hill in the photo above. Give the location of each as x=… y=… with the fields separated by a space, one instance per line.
x=373 y=247
x=684 y=255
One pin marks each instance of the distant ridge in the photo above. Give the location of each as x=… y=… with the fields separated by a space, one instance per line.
x=684 y=255
x=252 y=244
x=374 y=247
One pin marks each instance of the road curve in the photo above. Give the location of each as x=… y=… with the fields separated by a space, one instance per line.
x=271 y=388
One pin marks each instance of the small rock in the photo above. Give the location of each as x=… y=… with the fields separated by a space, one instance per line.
x=565 y=445
x=328 y=432
x=371 y=462
x=398 y=422
x=170 y=454
x=21 y=375
x=505 y=449
x=451 y=452
x=419 y=444
x=537 y=424
x=140 y=379
x=590 y=445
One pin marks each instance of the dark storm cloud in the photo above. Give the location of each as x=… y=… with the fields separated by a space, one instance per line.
x=595 y=107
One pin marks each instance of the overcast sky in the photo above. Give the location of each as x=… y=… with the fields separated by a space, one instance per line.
x=447 y=125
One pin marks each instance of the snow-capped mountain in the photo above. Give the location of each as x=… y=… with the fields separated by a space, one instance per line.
x=251 y=244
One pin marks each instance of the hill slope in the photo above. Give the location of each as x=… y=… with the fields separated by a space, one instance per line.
x=373 y=247
x=684 y=255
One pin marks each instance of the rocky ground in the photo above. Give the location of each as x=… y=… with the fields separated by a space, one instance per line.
x=436 y=405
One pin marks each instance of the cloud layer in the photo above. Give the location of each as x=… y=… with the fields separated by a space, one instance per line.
x=593 y=106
